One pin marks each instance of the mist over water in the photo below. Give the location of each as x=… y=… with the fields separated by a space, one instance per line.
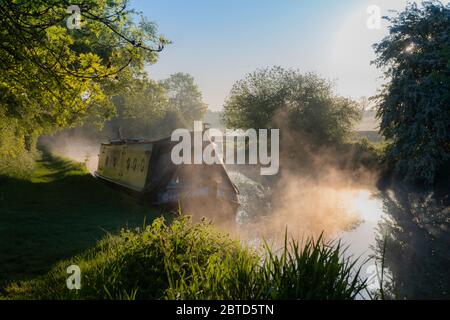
x=333 y=206
x=303 y=207
x=411 y=228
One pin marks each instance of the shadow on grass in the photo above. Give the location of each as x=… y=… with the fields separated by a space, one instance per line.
x=61 y=211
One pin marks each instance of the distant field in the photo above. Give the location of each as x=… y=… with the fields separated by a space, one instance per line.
x=369 y=122
x=57 y=213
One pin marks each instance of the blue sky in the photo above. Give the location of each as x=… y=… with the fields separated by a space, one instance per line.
x=219 y=41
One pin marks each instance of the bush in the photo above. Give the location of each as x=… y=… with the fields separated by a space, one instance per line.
x=367 y=154
x=193 y=261
x=17 y=165
x=17 y=149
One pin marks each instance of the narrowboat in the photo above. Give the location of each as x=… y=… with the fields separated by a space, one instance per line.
x=145 y=168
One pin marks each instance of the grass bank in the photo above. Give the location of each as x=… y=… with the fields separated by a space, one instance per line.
x=58 y=211
x=193 y=261
x=61 y=216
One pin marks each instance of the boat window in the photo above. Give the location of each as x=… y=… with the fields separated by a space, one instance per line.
x=107 y=161
x=128 y=164
x=175 y=181
x=134 y=164
x=114 y=162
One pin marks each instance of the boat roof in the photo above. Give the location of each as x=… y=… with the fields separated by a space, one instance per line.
x=133 y=141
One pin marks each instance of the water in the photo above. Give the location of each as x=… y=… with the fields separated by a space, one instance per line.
x=404 y=234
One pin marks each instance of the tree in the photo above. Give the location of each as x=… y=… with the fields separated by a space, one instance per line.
x=414 y=105
x=143 y=110
x=152 y=110
x=302 y=105
x=185 y=98
x=54 y=74
x=141 y=105
x=53 y=77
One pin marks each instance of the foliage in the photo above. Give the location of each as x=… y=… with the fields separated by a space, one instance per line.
x=140 y=106
x=184 y=97
x=145 y=110
x=15 y=159
x=366 y=154
x=53 y=74
x=302 y=104
x=193 y=261
x=315 y=271
x=52 y=77
x=154 y=109
x=414 y=104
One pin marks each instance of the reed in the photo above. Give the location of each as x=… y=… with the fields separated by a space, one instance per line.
x=185 y=260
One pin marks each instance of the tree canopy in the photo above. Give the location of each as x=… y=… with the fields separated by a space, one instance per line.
x=414 y=105
x=153 y=109
x=185 y=98
x=53 y=76
x=302 y=104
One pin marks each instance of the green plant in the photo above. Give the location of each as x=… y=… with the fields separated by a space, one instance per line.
x=413 y=105
x=57 y=212
x=183 y=260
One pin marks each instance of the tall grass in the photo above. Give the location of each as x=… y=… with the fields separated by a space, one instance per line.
x=315 y=271
x=183 y=260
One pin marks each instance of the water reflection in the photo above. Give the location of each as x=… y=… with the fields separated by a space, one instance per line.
x=406 y=234
x=414 y=235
